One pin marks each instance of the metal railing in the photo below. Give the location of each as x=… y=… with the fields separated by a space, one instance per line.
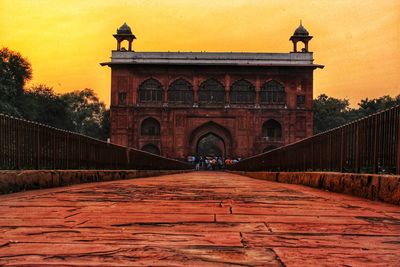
x=30 y=145
x=367 y=145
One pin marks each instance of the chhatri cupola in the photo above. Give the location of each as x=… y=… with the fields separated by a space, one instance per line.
x=124 y=33
x=300 y=35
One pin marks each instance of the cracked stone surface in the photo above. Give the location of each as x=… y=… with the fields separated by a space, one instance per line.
x=196 y=219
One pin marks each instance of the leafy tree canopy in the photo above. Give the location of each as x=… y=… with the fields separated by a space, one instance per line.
x=86 y=111
x=332 y=112
x=15 y=71
x=78 y=111
x=40 y=103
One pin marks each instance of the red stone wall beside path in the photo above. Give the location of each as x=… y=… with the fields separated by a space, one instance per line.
x=372 y=186
x=16 y=181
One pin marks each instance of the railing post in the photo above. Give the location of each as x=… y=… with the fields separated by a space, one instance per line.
x=312 y=155
x=397 y=118
x=128 y=163
x=54 y=150
x=330 y=152
x=375 y=146
x=67 y=144
x=17 y=144
x=341 y=149
x=79 y=152
x=357 y=148
x=37 y=154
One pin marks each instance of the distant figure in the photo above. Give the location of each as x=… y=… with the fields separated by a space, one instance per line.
x=201 y=162
x=197 y=162
x=207 y=163
x=213 y=163
x=220 y=163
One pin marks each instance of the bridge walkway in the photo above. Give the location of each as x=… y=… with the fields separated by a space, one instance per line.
x=196 y=219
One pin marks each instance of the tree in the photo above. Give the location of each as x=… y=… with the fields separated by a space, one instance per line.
x=329 y=113
x=15 y=71
x=368 y=107
x=41 y=104
x=86 y=112
x=78 y=111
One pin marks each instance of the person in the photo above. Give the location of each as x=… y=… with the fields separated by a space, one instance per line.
x=220 y=163
x=207 y=163
x=213 y=163
x=227 y=162
x=197 y=162
x=201 y=163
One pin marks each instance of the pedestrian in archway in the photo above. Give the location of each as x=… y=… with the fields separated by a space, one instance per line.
x=197 y=162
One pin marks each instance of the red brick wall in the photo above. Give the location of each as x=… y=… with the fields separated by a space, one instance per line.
x=244 y=125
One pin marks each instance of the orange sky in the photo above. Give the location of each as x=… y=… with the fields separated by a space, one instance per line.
x=65 y=40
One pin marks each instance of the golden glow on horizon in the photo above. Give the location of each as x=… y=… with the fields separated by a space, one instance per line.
x=65 y=40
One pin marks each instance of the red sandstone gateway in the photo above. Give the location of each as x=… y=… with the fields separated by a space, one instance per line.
x=232 y=104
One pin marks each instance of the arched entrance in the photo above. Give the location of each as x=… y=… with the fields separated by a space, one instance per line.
x=211 y=138
x=211 y=145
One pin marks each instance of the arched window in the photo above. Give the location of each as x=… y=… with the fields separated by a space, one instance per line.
x=150 y=126
x=211 y=92
x=153 y=149
x=150 y=91
x=272 y=130
x=272 y=92
x=180 y=92
x=242 y=92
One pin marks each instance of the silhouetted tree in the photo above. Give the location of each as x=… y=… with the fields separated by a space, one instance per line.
x=368 y=107
x=331 y=112
x=40 y=103
x=15 y=71
x=86 y=112
x=78 y=111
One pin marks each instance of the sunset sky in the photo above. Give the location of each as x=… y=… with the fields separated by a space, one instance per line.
x=358 y=41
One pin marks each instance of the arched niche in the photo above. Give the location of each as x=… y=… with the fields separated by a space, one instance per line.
x=150 y=127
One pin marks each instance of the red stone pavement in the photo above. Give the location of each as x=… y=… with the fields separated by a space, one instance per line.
x=196 y=219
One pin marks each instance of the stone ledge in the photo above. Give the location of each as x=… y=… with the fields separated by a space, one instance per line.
x=380 y=187
x=16 y=181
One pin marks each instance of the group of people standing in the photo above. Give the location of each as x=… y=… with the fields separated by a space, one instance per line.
x=211 y=162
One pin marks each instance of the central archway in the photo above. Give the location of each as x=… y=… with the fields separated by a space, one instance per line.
x=218 y=137
x=211 y=145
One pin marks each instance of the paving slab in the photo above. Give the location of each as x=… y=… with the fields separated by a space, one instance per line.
x=196 y=219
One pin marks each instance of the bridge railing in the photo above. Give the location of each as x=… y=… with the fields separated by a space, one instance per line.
x=30 y=145
x=367 y=145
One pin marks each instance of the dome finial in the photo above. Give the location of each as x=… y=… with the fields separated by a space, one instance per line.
x=300 y=35
x=124 y=33
x=124 y=29
x=301 y=31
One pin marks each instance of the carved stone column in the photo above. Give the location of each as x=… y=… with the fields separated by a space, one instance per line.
x=227 y=90
x=257 y=105
x=165 y=92
x=195 y=91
